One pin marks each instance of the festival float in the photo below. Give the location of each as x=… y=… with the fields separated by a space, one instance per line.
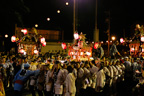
x=28 y=41
x=79 y=50
x=136 y=44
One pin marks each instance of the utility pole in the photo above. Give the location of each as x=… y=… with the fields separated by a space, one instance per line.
x=74 y=17
x=96 y=32
x=124 y=33
x=96 y=15
x=108 y=33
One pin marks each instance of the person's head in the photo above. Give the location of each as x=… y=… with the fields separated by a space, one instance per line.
x=72 y=63
x=115 y=42
x=14 y=59
x=126 y=58
x=26 y=66
x=104 y=59
x=82 y=65
x=91 y=64
x=0 y=61
x=106 y=63
x=101 y=65
x=49 y=61
x=99 y=45
x=42 y=68
x=77 y=65
x=118 y=62
x=39 y=59
x=70 y=69
x=110 y=63
x=97 y=61
x=87 y=66
x=114 y=62
x=57 y=64
x=130 y=56
x=65 y=66
x=26 y=60
x=4 y=59
x=132 y=60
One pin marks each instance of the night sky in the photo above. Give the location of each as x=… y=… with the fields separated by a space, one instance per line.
x=124 y=15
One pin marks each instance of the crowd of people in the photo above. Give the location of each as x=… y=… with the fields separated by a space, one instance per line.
x=65 y=77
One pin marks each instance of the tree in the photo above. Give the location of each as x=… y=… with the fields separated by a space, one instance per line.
x=12 y=12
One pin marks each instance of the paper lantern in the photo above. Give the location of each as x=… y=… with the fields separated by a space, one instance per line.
x=44 y=44
x=71 y=53
x=142 y=50
x=96 y=45
x=88 y=53
x=76 y=36
x=24 y=31
x=13 y=39
x=142 y=38
x=35 y=51
x=22 y=51
x=81 y=53
x=64 y=46
x=121 y=40
x=132 y=49
x=42 y=40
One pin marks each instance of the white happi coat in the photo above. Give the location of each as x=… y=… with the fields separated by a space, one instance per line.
x=115 y=71
x=70 y=85
x=111 y=74
x=119 y=70
x=58 y=87
x=64 y=76
x=80 y=74
x=93 y=71
x=65 y=73
x=100 y=82
x=86 y=80
x=107 y=73
x=75 y=72
x=33 y=67
x=122 y=67
x=49 y=81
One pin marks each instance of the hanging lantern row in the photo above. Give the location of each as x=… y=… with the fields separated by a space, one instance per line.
x=22 y=51
x=42 y=40
x=81 y=53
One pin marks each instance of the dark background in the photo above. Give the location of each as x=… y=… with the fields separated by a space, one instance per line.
x=124 y=15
